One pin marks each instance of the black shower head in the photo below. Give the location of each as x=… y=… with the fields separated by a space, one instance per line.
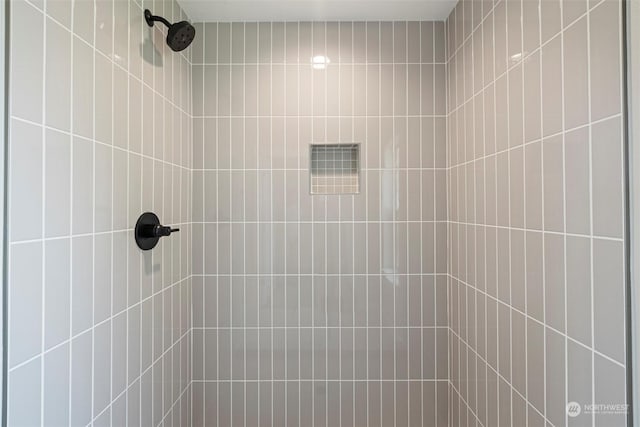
x=180 y=34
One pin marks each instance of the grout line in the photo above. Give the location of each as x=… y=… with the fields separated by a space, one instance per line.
x=43 y=213
x=564 y=213
x=93 y=223
x=71 y=200
x=591 y=210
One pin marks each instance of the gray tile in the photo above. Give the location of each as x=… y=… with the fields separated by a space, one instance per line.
x=81 y=371
x=555 y=377
x=25 y=383
x=27 y=61
x=61 y=12
x=554 y=282
x=579 y=380
x=606 y=179
x=135 y=38
x=605 y=20
x=532 y=96
x=57 y=184
x=56 y=386
x=516 y=104
x=103 y=100
x=576 y=73
x=104 y=26
x=578 y=264
x=518 y=270
x=533 y=185
x=82 y=284
x=577 y=181
x=535 y=365
x=550 y=19
x=608 y=298
x=210 y=49
x=119 y=189
x=609 y=385
x=553 y=180
x=102 y=274
x=120 y=107
x=83 y=98
x=102 y=367
x=517 y=187
x=534 y=275
x=58 y=73
x=552 y=114
x=82 y=184
x=119 y=355
x=26 y=189
x=25 y=313
x=57 y=287
x=103 y=191
x=502 y=113
x=500 y=38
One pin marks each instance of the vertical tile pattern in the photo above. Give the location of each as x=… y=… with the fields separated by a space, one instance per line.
x=476 y=278
x=319 y=309
x=535 y=188
x=100 y=131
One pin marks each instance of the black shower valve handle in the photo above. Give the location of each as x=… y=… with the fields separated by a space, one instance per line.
x=148 y=231
x=158 y=230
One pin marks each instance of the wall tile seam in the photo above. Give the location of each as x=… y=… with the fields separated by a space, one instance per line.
x=80 y=235
x=542 y=139
x=102 y=322
x=511 y=64
x=477 y=28
x=487 y=365
x=158 y=361
x=540 y=323
x=464 y=401
x=535 y=230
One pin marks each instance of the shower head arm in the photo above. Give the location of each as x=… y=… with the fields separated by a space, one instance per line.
x=152 y=18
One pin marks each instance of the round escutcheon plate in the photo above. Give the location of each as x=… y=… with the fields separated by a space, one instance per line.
x=147 y=221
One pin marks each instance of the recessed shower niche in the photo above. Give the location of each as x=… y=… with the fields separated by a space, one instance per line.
x=335 y=168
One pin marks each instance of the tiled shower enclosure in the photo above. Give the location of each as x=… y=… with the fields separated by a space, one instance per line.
x=386 y=223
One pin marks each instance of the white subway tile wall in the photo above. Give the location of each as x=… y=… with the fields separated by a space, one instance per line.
x=319 y=309
x=100 y=131
x=536 y=211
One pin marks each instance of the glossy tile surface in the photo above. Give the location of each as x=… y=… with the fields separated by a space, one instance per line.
x=534 y=198
x=326 y=308
x=100 y=131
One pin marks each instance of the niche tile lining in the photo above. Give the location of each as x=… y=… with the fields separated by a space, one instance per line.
x=335 y=168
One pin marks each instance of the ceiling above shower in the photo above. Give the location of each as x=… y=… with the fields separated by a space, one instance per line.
x=317 y=10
